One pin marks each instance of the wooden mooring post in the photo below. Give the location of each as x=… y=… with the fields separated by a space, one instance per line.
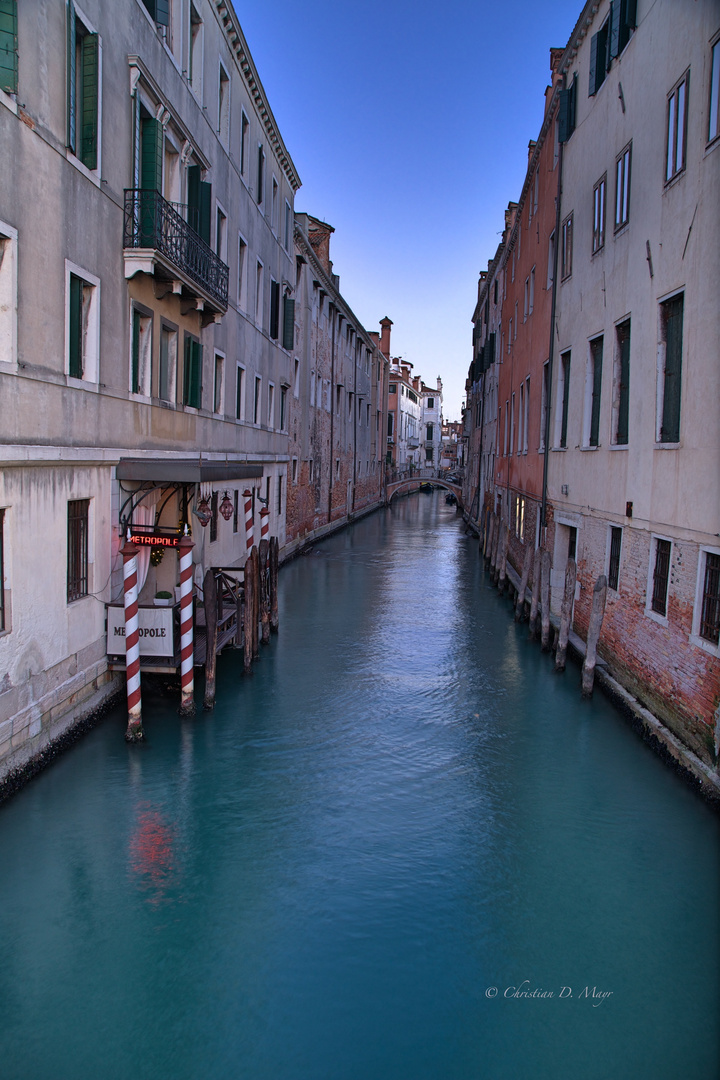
x=494 y=547
x=248 y=603
x=565 y=614
x=489 y=531
x=502 y=557
x=254 y=562
x=596 y=618
x=274 y=562
x=210 y=602
x=520 y=605
x=535 y=600
x=545 y=601
x=264 y=571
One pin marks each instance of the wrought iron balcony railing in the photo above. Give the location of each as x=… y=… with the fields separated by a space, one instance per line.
x=153 y=222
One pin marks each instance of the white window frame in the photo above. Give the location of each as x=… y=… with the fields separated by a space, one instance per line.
x=219 y=404
x=92 y=338
x=296 y=378
x=224 y=103
x=9 y=297
x=599 y=210
x=288 y=226
x=242 y=272
x=713 y=128
x=174 y=337
x=257 y=401
x=623 y=179
x=274 y=204
x=196 y=50
x=271 y=406
x=145 y=379
x=92 y=174
x=259 y=293
x=676 y=128
x=244 y=143
x=240 y=371
x=694 y=637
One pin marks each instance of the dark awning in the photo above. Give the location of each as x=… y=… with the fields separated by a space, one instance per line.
x=185 y=471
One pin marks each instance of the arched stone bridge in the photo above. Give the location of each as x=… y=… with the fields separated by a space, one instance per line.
x=411 y=482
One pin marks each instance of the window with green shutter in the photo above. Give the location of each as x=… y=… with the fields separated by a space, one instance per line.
x=83 y=81
x=565 y=368
x=159 y=10
x=672 y=330
x=8 y=46
x=288 y=323
x=192 y=375
x=274 y=309
x=75 y=367
x=596 y=355
x=622 y=376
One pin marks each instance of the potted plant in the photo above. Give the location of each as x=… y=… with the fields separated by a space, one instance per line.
x=163 y=598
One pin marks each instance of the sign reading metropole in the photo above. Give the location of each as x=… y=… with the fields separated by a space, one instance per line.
x=156 y=631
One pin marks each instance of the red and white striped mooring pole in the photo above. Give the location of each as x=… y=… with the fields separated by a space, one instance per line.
x=132 y=643
x=249 y=524
x=264 y=523
x=187 y=645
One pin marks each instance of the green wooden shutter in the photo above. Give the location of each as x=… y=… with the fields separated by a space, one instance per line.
x=75 y=364
x=623 y=404
x=614 y=37
x=71 y=75
x=162 y=12
x=673 y=312
x=187 y=364
x=90 y=79
x=566 y=398
x=288 y=323
x=596 y=348
x=8 y=46
x=274 y=309
x=205 y=204
x=564 y=127
x=197 y=374
x=595 y=62
x=151 y=146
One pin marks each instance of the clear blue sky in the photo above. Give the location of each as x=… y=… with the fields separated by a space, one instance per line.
x=409 y=124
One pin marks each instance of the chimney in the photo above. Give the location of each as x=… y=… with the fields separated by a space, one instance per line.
x=319 y=233
x=385 y=325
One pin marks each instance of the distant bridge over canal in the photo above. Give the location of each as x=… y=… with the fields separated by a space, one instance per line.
x=401 y=482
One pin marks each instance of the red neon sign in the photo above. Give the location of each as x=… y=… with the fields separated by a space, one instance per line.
x=157 y=541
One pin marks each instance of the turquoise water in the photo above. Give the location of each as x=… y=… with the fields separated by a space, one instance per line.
x=403 y=808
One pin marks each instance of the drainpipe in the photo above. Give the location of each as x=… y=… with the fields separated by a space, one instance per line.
x=355 y=412
x=332 y=410
x=551 y=355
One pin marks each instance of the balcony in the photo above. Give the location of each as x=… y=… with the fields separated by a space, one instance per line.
x=157 y=240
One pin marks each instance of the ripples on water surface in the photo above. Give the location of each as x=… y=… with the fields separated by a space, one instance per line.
x=402 y=808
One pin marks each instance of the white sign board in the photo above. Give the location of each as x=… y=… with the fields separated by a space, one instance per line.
x=156 y=631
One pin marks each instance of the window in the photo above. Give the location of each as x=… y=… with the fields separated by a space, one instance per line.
x=431 y=403
x=218 y=386
x=567 y=247
x=564 y=394
x=3 y=624
x=526 y=412
x=599 y=58
x=260 y=175
x=283 y=408
x=256 y=399
x=622 y=188
x=714 y=123
x=141 y=352
x=512 y=422
x=510 y=334
x=593 y=386
x=274 y=206
x=195 y=52
x=278 y=506
x=519 y=517
x=598 y=237
x=259 y=294
x=244 y=137
x=621 y=384
x=392 y=389
x=82 y=323
x=296 y=379
x=274 y=309
x=8 y=290
x=676 y=128
x=429 y=435
x=294 y=470
x=77 y=549
x=526 y=299
x=544 y=403
x=670 y=369
x=567 y=108
x=8 y=57
x=240 y=392
x=241 y=274
x=192 y=373
x=613 y=573
x=236 y=509
x=551 y=261
x=660 y=575
x=224 y=105
x=288 y=226
x=271 y=405
x=532 y=291
x=83 y=85
x=572 y=542
x=707 y=603
x=220 y=234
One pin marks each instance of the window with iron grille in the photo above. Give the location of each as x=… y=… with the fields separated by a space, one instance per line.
x=77 y=549
x=661 y=576
x=710 y=613
x=614 y=560
x=671 y=334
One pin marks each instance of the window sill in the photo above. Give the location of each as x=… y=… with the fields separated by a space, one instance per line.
x=83 y=384
x=559 y=449
x=590 y=449
x=706 y=646
x=91 y=175
x=618 y=446
x=9 y=102
x=598 y=251
x=661 y=620
x=674 y=179
x=668 y=446
x=620 y=230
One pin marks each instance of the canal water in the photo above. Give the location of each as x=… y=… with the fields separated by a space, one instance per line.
x=365 y=861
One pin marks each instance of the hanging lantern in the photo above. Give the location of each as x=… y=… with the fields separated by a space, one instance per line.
x=203 y=512
x=226 y=507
